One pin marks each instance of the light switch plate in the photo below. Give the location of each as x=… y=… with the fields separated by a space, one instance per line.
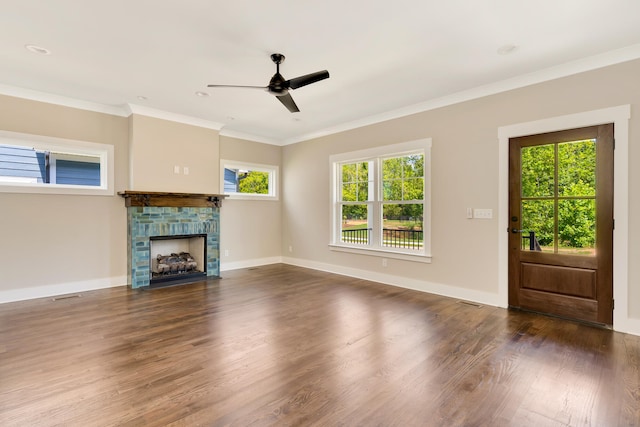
x=483 y=213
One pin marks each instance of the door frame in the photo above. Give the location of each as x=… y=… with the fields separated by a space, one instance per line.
x=619 y=116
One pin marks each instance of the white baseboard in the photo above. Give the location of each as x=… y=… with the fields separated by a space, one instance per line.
x=227 y=266
x=22 y=294
x=402 y=282
x=627 y=325
x=13 y=295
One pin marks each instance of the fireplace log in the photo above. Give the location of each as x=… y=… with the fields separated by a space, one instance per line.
x=175 y=263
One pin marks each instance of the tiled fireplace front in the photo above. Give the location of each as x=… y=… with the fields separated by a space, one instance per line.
x=183 y=215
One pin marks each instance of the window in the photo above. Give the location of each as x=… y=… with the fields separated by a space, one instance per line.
x=249 y=181
x=35 y=164
x=381 y=201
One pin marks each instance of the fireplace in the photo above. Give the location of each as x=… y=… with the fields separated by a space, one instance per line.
x=172 y=238
x=177 y=258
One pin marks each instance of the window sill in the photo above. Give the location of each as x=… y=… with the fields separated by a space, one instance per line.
x=383 y=253
x=56 y=189
x=238 y=196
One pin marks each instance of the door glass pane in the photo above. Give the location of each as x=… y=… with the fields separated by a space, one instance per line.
x=355 y=224
x=577 y=226
x=537 y=165
x=537 y=223
x=577 y=168
x=402 y=226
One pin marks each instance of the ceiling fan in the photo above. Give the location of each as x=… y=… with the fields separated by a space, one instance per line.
x=280 y=87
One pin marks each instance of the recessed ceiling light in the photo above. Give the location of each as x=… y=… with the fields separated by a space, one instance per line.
x=142 y=98
x=507 y=49
x=202 y=94
x=37 y=49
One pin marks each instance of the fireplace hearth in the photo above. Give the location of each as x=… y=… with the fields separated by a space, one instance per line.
x=173 y=238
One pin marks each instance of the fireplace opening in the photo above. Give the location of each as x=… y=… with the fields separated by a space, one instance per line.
x=177 y=259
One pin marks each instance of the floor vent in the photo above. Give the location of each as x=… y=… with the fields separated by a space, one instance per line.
x=472 y=304
x=65 y=297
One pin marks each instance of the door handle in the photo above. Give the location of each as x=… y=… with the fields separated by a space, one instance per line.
x=516 y=231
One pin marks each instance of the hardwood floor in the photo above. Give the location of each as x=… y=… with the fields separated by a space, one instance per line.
x=283 y=345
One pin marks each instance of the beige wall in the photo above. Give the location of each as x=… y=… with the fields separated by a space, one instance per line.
x=157 y=146
x=50 y=240
x=91 y=230
x=465 y=173
x=250 y=229
x=51 y=243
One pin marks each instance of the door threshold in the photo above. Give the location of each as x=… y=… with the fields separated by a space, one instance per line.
x=555 y=316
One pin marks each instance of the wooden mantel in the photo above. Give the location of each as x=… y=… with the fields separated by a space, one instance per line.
x=180 y=200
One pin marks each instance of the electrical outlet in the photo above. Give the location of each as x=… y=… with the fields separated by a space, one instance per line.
x=176 y=169
x=185 y=170
x=469 y=213
x=384 y=262
x=226 y=252
x=483 y=213
x=290 y=248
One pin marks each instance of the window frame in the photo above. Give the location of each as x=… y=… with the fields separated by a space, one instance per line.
x=272 y=170
x=61 y=147
x=376 y=155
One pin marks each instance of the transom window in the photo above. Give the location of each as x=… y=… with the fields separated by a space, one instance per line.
x=381 y=200
x=36 y=164
x=249 y=181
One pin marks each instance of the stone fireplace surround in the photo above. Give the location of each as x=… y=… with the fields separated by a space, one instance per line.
x=155 y=214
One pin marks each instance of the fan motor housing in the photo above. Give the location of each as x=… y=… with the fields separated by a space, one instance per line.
x=276 y=85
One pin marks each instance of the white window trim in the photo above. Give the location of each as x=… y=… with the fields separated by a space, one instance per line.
x=336 y=244
x=60 y=145
x=272 y=170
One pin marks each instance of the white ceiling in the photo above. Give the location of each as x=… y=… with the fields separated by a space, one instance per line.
x=385 y=58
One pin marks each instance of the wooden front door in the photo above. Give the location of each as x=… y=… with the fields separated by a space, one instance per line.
x=561 y=223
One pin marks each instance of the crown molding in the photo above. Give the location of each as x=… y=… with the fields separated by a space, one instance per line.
x=613 y=57
x=249 y=137
x=49 y=98
x=173 y=117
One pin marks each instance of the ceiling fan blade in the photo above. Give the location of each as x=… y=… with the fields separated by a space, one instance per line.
x=288 y=102
x=297 y=82
x=248 y=87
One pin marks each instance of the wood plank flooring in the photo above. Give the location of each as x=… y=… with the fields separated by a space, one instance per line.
x=282 y=345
